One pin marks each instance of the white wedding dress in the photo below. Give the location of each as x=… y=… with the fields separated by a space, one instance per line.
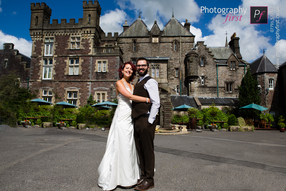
x=119 y=166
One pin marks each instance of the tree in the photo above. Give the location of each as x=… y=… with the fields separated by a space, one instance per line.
x=12 y=97
x=248 y=94
x=90 y=100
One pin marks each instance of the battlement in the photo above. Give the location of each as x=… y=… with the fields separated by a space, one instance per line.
x=71 y=23
x=90 y=4
x=109 y=36
x=41 y=6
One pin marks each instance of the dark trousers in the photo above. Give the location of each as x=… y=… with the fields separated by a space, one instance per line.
x=144 y=134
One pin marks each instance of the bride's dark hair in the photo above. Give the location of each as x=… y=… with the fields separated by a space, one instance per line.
x=122 y=67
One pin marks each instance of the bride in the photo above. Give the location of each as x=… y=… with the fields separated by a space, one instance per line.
x=119 y=166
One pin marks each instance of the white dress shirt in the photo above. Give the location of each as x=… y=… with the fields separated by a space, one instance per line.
x=152 y=87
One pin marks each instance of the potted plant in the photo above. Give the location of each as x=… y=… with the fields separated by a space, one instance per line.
x=281 y=123
x=193 y=117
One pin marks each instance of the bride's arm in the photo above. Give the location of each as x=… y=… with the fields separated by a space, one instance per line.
x=122 y=90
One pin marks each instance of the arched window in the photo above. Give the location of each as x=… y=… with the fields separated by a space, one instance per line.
x=36 y=23
x=202 y=62
x=89 y=18
x=134 y=46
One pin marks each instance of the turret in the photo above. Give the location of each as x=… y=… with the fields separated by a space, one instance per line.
x=91 y=13
x=40 y=14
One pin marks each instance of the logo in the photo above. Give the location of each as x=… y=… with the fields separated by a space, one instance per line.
x=258 y=15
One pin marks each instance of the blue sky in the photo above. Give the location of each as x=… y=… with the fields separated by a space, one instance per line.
x=206 y=26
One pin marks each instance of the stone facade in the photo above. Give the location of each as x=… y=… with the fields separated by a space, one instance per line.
x=267 y=76
x=213 y=71
x=12 y=61
x=71 y=61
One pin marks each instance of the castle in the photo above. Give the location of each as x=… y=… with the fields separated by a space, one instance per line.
x=72 y=60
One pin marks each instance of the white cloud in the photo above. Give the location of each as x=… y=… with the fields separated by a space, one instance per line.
x=276 y=54
x=112 y=21
x=24 y=46
x=161 y=10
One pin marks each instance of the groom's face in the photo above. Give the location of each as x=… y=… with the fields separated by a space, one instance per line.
x=142 y=67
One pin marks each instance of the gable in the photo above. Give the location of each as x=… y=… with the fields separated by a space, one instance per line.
x=175 y=28
x=137 y=29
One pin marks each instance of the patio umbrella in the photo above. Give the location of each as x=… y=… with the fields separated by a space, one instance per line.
x=254 y=106
x=182 y=107
x=104 y=107
x=41 y=102
x=65 y=104
x=106 y=103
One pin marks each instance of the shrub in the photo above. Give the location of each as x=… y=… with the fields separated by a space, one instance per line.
x=193 y=112
x=249 y=122
x=232 y=120
x=39 y=122
x=176 y=119
x=185 y=118
x=241 y=122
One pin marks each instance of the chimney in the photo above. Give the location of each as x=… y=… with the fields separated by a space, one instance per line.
x=125 y=26
x=187 y=25
x=8 y=46
x=234 y=45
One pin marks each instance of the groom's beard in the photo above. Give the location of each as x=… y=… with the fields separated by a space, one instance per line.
x=143 y=73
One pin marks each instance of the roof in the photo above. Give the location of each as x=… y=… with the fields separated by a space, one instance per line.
x=136 y=29
x=262 y=65
x=178 y=100
x=219 y=101
x=155 y=30
x=175 y=28
x=221 y=53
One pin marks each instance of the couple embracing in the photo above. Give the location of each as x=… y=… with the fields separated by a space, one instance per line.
x=129 y=156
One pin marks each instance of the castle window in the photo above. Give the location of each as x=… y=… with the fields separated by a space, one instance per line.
x=202 y=62
x=155 y=40
x=5 y=65
x=271 y=84
x=153 y=72
x=100 y=96
x=74 y=66
x=202 y=80
x=89 y=18
x=36 y=23
x=134 y=46
x=72 y=97
x=175 y=46
x=47 y=69
x=229 y=87
x=47 y=95
x=157 y=72
x=232 y=65
x=75 y=42
x=176 y=72
x=177 y=89
x=49 y=42
x=101 y=66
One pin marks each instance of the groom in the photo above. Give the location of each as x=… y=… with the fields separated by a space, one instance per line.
x=145 y=120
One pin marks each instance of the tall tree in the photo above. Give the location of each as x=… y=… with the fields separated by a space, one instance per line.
x=248 y=93
x=12 y=97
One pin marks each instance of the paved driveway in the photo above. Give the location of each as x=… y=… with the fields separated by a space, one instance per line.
x=36 y=159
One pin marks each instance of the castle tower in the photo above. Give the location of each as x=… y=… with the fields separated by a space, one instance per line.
x=40 y=14
x=91 y=13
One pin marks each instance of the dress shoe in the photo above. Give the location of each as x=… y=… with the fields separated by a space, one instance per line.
x=139 y=181
x=145 y=185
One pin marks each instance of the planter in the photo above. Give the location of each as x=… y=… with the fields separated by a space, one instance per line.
x=60 y=125
x=193 y=123
x=282 y=129
x=47 y=124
